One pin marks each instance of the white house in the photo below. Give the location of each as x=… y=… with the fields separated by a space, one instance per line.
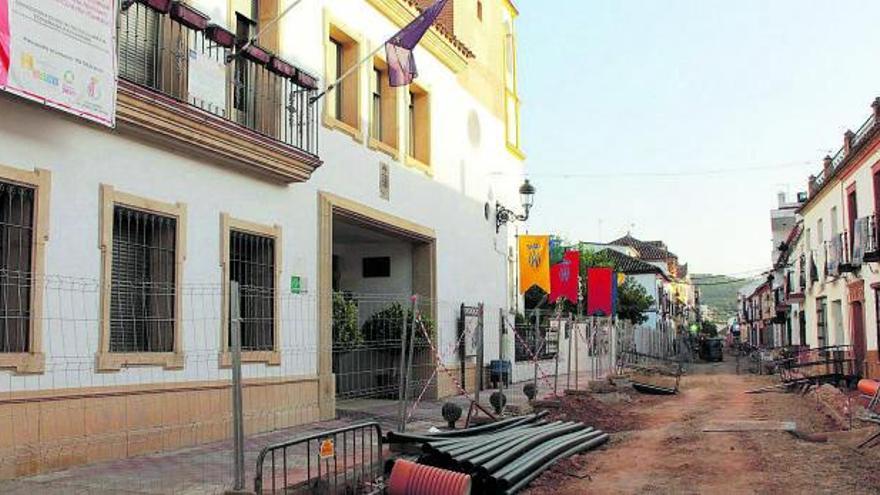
x=120 y=245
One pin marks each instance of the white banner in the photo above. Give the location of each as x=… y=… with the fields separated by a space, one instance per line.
x=61 y=53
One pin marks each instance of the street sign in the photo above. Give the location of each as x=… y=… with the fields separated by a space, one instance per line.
x=326 y=449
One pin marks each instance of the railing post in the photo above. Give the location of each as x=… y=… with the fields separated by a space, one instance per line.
x=401 y=398
x=237 y=412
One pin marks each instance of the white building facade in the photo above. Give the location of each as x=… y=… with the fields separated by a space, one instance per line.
x=128 y=240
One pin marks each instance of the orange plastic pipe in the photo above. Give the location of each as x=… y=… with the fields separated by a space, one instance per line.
x=868 y=387
x=409 y=478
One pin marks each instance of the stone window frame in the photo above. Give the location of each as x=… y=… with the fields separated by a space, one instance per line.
x=115 y=361
x=334 y=29
x=227 y=225
x=391 y=100
x=33 y=361
x=421 y=113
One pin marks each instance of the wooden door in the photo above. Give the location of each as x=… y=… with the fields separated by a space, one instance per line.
x=859 y=342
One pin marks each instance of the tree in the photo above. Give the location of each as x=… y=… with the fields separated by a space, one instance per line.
x=632 y=302
x=709 y=329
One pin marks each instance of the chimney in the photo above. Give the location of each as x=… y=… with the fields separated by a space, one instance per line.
x=826 y=167
x=876 y=106
x=781 y=196
x=848 y=141
x=811 y=185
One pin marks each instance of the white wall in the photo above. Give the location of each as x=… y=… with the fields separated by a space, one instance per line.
x=351 y=256
x=471 y=257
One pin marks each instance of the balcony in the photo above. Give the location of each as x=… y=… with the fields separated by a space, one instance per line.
x=180 y=80
x=865 y=245
x=838 y=259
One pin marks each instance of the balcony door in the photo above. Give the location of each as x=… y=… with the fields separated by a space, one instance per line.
x=244 y=97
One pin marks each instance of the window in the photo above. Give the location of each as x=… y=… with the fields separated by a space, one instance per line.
x=16 y=278
x=376 y=267
x=335 y=63
x=252 y=266
x=376 y=106
x=821 y=322
x=876 y=191
x=244 y=97
x=834 y=227
x=479 y=10
x=820 y=232
x=251 y=256
x=852 y=215
x=142 y=309
x=343 y=102
x=24 y=206
x=419 y=130
x=138 y=36
x=511 y=96
x=143 y=248
x=383 y=111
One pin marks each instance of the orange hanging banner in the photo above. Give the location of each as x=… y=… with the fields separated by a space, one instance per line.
x=534 y=262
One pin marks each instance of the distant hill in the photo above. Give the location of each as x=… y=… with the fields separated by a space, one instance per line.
x=719 y=292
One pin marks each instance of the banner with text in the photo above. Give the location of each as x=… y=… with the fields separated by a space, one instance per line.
x=61 y=53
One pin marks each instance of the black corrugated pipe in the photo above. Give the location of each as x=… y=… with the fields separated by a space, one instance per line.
x=591 y=444
x=497 y=425
x=493 y=460
x=542 y=449
x=453 y=449
x=475 y=457
x=534 y=464
x=483 y=440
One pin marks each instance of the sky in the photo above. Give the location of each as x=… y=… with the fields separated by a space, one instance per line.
x=681 y=120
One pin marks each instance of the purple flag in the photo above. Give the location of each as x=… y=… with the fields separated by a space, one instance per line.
x=399 y=49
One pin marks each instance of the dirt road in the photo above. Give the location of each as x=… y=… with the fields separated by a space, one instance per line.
x=670 y=453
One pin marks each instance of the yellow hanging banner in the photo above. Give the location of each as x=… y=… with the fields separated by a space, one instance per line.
x=534 y=262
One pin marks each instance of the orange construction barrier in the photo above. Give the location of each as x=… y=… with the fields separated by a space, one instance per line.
x=868 y=387
x=409 y=478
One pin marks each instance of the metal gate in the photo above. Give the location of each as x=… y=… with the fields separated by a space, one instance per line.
x=371 y=336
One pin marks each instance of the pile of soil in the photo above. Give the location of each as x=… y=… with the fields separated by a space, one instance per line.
x=619 y=411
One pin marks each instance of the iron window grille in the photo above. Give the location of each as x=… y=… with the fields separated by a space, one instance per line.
x=16 y=278
x=252 y=265
x=143 y=274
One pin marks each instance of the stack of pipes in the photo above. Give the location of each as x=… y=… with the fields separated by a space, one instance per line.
x=505 y=456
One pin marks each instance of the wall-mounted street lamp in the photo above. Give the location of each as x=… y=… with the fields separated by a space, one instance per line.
x=526 y=198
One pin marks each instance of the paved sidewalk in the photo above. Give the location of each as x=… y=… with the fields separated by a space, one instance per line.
x=207 y=469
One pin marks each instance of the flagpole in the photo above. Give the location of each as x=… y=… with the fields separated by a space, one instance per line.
x=350 y=71
x=262 y=30
x=353 y=68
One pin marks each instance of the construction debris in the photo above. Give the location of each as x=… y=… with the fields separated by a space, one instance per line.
x=736 y=426
x=503 y=457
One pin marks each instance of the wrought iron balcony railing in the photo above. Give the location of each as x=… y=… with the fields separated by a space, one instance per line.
x=838 y=255
x=180 y=54
x=865 y=245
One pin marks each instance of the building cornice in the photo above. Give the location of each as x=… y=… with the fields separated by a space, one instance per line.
x=400 y=12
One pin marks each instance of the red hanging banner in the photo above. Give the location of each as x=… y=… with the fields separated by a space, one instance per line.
x=600 y=291
x=564 y=277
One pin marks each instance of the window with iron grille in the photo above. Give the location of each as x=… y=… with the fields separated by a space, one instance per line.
x=252 y=265
x=16 y=252
x=142 y=293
